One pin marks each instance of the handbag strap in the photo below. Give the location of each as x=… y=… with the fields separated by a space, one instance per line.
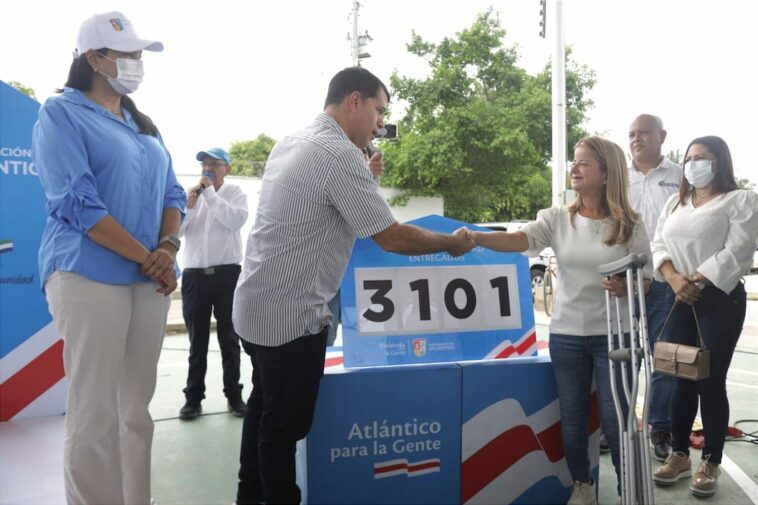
x=697 y=324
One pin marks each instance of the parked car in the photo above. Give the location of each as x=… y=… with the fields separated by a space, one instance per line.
x=537 y=265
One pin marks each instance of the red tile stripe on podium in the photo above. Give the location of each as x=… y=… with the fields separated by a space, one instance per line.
x=26 y=385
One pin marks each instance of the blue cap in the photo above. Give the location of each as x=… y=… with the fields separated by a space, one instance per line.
x=215 y=153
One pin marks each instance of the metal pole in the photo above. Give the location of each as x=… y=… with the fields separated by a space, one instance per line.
x=354 y=38
x=647 y=471
x=559 y=107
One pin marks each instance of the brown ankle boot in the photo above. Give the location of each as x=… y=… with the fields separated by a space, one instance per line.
x=677 y=466
x=705 y=480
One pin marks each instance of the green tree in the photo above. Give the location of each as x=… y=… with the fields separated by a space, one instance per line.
x=746 y=184
x=675 y=156
x=23 y=89
x=477 y=131
x=249 y=156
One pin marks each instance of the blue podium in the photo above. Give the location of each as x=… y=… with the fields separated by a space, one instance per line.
x=472 y=432
x=385 y=435
x=434 y=307
x=442 y=398
x=32 y=379
x=511 y=434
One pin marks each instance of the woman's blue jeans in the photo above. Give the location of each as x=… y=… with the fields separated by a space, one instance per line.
x=576 y=361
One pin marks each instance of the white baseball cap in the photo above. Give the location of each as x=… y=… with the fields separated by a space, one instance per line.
x=114 y=31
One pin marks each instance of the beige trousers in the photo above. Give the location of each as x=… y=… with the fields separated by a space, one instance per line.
x=112 y=340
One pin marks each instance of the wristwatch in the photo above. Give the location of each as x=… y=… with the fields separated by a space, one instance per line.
x=171 y=239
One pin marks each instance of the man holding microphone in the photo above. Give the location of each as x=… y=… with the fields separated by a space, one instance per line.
x=213 y=250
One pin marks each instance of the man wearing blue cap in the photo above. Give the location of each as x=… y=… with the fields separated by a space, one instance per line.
x=213 y=250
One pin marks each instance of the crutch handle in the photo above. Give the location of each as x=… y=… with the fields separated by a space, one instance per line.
x=625 y=354
x=622 y=264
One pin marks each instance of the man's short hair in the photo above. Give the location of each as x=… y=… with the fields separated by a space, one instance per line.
x=655 y=119
x=354 y=79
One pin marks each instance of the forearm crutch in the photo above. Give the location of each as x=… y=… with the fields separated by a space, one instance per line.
x=636 y=472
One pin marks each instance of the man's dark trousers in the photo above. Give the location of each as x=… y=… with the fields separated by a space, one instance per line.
x=279 y=413
x=203 y=290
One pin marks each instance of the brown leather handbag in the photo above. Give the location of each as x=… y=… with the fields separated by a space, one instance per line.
x=684 y=361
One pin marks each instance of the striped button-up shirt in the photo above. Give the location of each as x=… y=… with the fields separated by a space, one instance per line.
x=317 y=196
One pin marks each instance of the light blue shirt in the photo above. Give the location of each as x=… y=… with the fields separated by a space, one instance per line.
x=91 y=164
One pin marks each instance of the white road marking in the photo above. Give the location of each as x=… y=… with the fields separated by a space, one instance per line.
x=740 y=384
x=741 y=478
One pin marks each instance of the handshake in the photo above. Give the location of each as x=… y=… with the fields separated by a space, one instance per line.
x=413 y=240
x=462 y=242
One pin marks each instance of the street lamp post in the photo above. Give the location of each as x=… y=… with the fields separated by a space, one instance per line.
x=558 y=99
x=358 y=43
x=559 y=106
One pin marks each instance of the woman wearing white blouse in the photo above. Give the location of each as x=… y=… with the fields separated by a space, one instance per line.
x=599 y=227
x=703 y=245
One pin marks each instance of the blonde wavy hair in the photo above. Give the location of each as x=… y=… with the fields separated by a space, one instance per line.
x=616 y=202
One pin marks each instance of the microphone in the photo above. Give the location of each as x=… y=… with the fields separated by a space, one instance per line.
x=371 y=150
x=210 y=176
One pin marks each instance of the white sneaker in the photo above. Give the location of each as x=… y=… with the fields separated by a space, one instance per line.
x=584 y=494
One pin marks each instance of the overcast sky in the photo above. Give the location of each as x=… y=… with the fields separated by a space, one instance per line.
x=234 y=69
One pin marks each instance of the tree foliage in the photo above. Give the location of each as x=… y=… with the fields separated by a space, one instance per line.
x=23 y=89
x=249 y=156
x=675 y=156
x=477 y=131
x=746 y=184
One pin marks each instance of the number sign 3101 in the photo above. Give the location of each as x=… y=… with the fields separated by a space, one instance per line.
x=409 y=300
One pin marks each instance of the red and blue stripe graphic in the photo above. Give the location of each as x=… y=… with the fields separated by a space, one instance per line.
x=32 y=374
x=505 y=452
x=524 y=346
x=397 y=467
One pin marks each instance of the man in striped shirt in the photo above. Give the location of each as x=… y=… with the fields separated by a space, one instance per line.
x=317 y=197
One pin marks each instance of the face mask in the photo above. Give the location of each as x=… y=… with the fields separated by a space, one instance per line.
x=699 y=173
x=129 y=75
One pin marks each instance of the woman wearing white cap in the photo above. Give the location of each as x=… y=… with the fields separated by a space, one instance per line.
x=107 y=258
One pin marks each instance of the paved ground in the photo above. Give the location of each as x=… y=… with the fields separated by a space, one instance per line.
x=196 y=462
x=739 y=481
x=175 y=439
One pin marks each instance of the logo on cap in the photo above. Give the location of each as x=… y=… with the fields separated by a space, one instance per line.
x=118 y=24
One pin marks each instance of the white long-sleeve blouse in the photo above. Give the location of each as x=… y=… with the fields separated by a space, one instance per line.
x=717 y=239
